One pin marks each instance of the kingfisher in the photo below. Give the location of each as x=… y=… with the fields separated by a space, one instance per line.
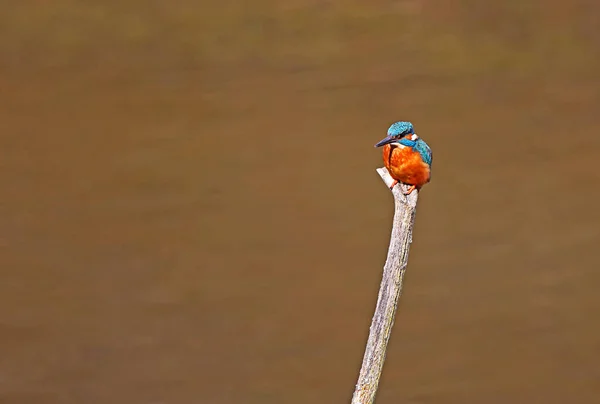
x=406 y=156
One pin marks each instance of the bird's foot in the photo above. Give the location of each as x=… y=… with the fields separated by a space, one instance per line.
x=409 y=190
x=393 y=184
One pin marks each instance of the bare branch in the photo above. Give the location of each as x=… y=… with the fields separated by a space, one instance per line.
x=389 y=292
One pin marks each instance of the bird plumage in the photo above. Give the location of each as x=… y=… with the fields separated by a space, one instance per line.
x=406 y=156
x=420 y=147
x=400 y=128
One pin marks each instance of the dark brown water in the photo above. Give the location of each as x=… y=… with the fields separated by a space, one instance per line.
x=189 y=211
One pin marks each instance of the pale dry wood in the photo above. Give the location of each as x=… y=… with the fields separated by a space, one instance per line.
x=389 y=292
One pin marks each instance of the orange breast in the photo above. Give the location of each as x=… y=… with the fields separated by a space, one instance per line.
x=406 y=165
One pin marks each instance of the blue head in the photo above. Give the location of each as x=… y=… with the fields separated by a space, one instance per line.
x=396 y=132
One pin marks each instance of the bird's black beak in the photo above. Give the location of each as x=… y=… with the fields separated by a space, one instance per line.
x=388 y=139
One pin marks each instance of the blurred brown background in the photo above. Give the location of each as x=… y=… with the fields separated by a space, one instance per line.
x=189 y=211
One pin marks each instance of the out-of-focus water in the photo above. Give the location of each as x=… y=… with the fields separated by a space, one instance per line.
x=189 y=211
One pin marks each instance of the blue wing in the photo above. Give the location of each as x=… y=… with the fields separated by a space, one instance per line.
x=420 y=147
x=424 y=150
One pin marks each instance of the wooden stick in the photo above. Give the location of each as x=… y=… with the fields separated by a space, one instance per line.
x=389 y=291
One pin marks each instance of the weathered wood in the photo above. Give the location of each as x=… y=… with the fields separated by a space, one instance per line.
x=389 y=292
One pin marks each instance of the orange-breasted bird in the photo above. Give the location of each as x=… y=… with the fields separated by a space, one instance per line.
x=406 y=156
